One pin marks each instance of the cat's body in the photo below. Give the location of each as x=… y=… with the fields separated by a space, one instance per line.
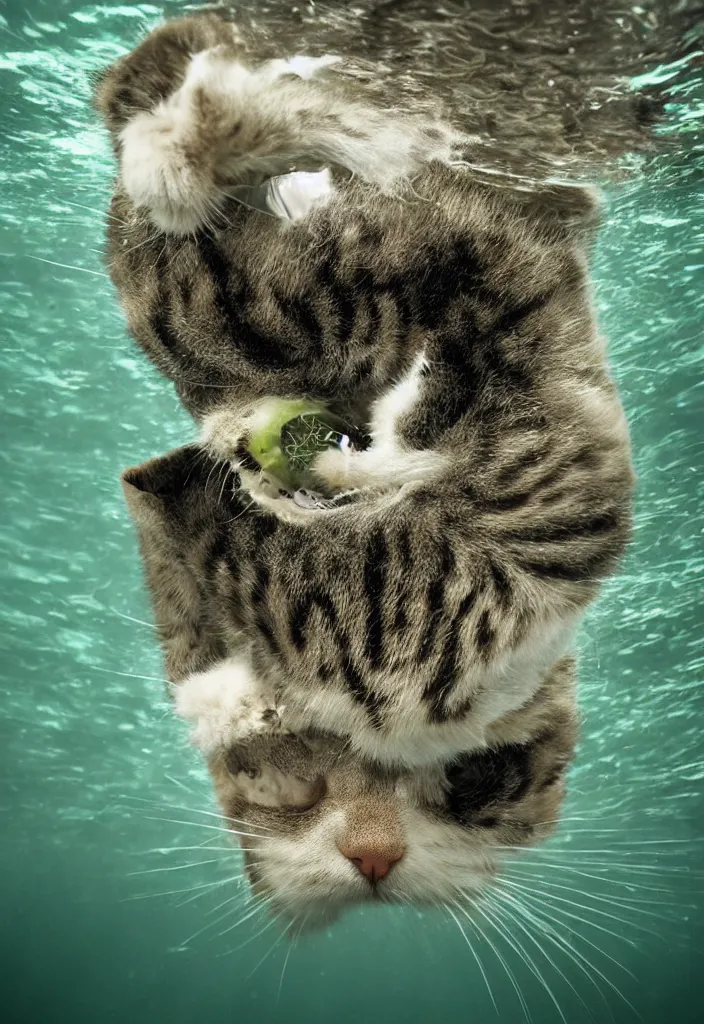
x=455 y=319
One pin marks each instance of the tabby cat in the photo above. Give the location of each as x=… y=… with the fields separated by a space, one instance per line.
x=451 y=319
x=383 y=689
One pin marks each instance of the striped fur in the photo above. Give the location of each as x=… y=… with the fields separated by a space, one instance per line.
x=454 y=322
x=405 y=627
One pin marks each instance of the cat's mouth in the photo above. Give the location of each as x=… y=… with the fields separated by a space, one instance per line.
x=378 y=892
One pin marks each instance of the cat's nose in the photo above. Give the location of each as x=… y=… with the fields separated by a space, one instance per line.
x=374 y=865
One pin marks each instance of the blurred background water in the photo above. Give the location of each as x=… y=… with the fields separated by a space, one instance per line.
x=113 y=888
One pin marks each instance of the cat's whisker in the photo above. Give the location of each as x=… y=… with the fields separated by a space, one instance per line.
x=577 y=917
x=128 y=675
x=199 y=810
x=201 y=455
x=68 y=266
x=692 y=841
x=497 y=952
x=666 y=841
x=237 y=880
x=554 y=932
x=215 y=465
x=585 y=874
x=252 y=938
x=539 y=907
x=131 y=618
x=625 y=902
x=294 y=942
x=518 y=947
x=543 y=952
x=474 y=953
x=100 y=213
x=139 y=245
x=239 y=514
x=399 y=895
x=190 y=889
x=588 y=855
x=512 y=942
x=201 y=824
x=205 y=384
x=589 y=818
x=259 y=907
x=219 y=466
x=224 y=483
x=276 y=942
x=563 y=946
x=201 y=847
x=645 y=870
x=173 y=867
x=589 y=909
x=212 y=923
x=621 y=902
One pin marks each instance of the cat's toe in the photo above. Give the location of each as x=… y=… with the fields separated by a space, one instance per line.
x=333 y=467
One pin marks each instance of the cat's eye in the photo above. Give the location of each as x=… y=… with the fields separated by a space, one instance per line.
x=311 y=793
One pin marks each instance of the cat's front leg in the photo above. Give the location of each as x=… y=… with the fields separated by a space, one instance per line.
x=380 y=467
x=227 y=704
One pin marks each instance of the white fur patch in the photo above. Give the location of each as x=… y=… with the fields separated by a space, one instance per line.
x=156 y=176
x=227 y=704
x=386 y=463
x=397 y=401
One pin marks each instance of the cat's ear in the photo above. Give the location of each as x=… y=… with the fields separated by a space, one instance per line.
x=167 y=478
x=155 y=68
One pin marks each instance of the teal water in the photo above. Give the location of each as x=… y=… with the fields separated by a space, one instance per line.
x=111 y=911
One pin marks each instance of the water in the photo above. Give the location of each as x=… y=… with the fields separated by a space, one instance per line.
x=93 y=763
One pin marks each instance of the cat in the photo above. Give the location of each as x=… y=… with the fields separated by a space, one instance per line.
x=453 y=319
x=322 y=827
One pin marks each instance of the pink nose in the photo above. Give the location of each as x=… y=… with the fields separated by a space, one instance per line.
x=373 y=865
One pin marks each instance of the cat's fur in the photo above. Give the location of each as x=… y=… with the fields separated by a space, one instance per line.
x=303 y=807
x=220 y=579
x=453 y=318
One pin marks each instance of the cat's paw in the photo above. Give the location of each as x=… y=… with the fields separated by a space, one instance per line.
x=340 y=470
x=223 y=122
x=227 y=705
x=227 y=432
x=337 y=469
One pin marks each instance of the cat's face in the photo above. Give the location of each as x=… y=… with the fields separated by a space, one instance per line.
x=324 y=830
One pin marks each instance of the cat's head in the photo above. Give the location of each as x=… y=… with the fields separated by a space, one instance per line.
x=321 y=826
x=324 y=830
